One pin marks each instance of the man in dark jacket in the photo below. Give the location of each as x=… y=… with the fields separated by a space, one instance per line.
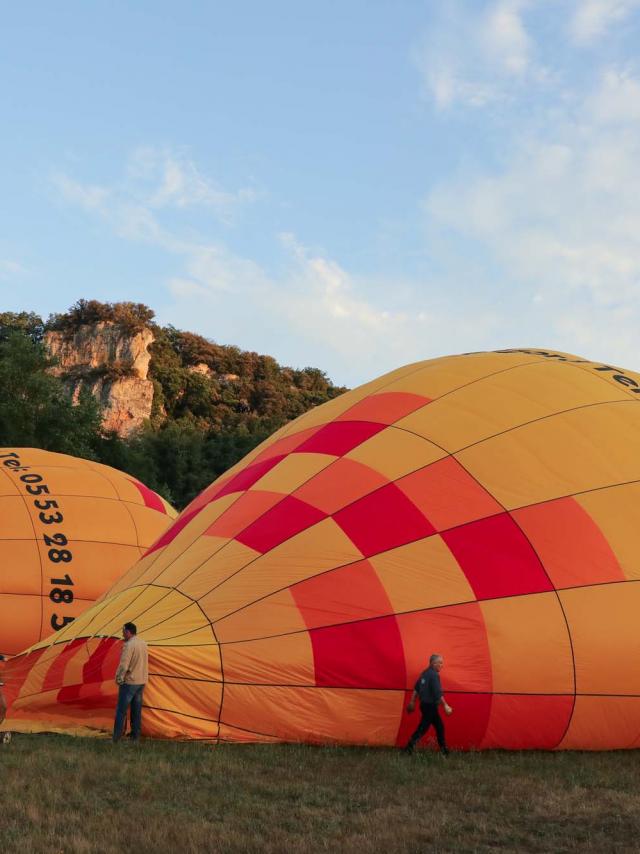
x=429 y=691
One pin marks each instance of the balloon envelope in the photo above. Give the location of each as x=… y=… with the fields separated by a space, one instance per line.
x=69 y=528
x=482 y=506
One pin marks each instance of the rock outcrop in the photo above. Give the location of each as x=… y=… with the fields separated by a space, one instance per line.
x=113 y=363
x=200 y=368
x=204 y=369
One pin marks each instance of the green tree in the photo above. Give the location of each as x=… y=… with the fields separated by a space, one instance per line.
x=35 y=409
x=133 y=316
x=202 y=421
x=27 y=322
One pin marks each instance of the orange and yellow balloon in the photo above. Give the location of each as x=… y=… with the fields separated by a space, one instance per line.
x=483 y=506
x=69 y=528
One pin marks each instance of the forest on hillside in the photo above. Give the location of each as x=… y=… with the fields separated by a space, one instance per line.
x=212 y=402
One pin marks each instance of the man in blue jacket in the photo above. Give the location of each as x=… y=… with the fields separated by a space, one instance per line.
x=429 y=691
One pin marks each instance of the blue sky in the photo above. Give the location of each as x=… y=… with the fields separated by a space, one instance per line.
x=352 y=185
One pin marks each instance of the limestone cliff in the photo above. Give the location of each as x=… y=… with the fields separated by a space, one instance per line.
x=113 y=363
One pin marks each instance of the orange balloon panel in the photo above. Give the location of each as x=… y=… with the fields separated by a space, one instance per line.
x=69 y=528
x=480 y=506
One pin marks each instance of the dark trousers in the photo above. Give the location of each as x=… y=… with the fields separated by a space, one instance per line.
x=430 y=716
x=128 y=696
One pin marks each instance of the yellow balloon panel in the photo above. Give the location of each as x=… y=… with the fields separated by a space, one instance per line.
x=20 y=573
x=616 y=512
x=22 y=619
x=315 y=715
x=562 y=455
x=226 y=557
x=604 y=723
x=525 y=634
x=382 y=453
x=278 y=660
x=145 y=523
x=276 y=615
x=182 y=708
x=421 y=575
x=439 y=377
x=594 y=613
x=481 y=506
x=16 y=518
x=291 y=473
x=475 y=412
x=315 y=550
x=78 y=481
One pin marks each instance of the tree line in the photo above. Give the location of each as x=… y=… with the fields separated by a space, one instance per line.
x=212 y=403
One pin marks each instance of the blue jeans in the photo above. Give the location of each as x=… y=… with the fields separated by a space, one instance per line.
x=128 y=695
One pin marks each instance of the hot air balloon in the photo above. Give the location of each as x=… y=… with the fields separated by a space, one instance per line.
x=483 y=506
x=69 y=528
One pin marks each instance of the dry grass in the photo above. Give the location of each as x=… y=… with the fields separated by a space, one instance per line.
x=73 y=795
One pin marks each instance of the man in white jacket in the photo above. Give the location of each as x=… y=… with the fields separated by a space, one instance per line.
x=131 y=677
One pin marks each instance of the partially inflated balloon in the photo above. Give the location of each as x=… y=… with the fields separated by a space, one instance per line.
x=69 y=528
x=483 y=506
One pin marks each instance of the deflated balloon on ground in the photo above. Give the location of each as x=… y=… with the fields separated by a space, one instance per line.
x=69 y=528
x=482 y=506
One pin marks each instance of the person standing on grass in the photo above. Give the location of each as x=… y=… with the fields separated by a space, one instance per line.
x=429 y=691
x=131 y=677
x=5 y=737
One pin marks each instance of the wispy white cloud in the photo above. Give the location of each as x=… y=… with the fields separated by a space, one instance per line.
x=334 y=309
x=9 y=269
x=540 y=248
x=177 y=182
x=213 y=269
x=351 y=326
x=315 y=306
x=155 y=179
x=615 y=100
x=476 y=54
x=90 y=197
x=505 y=36
x=559 y=221
x=592 y=18
x=145 y=206
x=323 y=300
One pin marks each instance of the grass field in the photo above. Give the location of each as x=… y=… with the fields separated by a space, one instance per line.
x=60 y=794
